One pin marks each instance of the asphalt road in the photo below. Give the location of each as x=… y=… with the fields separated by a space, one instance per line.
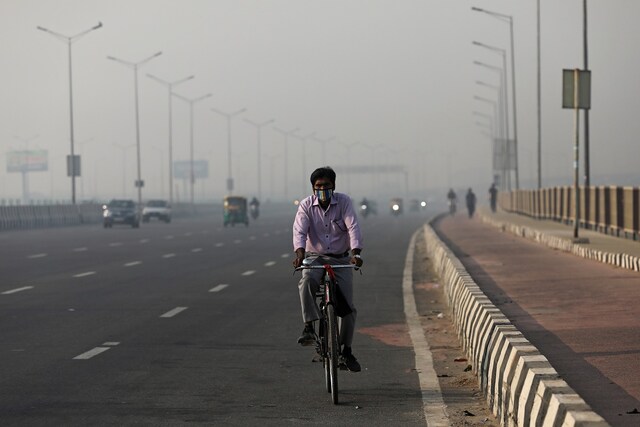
x=192 y=323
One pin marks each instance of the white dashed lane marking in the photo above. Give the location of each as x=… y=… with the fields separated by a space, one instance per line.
x=218 y=288
x=80 y=249
x=144 y=240
x=85 y=274
x=269 y=264
x=34 y=256
x=285 y=256
x=188 y=233
x=174 y=312
x=248 y=272
x=219 y=245
x=168 y=255
x=168 y=237
x=13 y=291
x=237 y=241
x=196 y=250
x=114 y=244
x=96 y=351
x=132 y=263
x=252 y=238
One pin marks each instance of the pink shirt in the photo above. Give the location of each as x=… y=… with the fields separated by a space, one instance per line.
x=333 y=231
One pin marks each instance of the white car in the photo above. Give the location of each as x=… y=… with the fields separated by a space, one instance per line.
x=157 y=209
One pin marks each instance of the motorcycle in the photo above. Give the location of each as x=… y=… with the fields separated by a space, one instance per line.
x=254 y=211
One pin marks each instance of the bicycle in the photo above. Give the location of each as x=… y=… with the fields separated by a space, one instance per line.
x=327 y=344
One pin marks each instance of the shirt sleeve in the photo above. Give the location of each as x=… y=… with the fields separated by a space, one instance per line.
x=351 y=221
x=300 y=227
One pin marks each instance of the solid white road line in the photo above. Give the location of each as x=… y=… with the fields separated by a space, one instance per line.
x=196 y=250
x=248 y=272
x=269 y=264
x=435 y=412
x=34 y=256
x=168 y=255
x=13 y=291
x=218 y=288
x=88 y=273
x=80 y=249
x=95 y=351
x=132 y=263
x=173 y=312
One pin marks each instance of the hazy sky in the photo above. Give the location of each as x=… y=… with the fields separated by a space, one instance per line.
x=396 y=74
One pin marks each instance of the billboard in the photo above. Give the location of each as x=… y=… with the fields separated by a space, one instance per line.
x=28 y=161
x=182 y=169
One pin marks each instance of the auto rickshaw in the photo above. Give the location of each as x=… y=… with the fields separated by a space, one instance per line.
x=235 y=210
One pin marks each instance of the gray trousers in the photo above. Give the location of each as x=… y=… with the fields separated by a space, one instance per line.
x=309 y=285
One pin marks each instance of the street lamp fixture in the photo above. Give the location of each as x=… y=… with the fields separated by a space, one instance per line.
x=170 y=86
x=134 y=66
x=229 y=116
x=71 y=162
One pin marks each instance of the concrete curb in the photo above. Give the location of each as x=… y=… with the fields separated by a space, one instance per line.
x=519 y=383
x=621 y=260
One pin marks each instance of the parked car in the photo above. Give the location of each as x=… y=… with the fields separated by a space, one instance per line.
x=119 y=211
x=157 y=209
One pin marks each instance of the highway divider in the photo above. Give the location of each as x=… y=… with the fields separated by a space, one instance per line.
x=519 y=383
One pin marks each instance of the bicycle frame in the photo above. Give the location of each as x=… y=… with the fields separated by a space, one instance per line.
x=327 y=341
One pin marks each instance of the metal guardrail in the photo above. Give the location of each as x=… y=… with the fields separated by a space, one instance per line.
x=607 y=209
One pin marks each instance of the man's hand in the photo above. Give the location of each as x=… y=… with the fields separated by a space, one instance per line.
x=297 y=261
x=356 y=259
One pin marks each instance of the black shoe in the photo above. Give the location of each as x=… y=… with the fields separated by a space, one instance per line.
x=308 y=336
x=348 y=360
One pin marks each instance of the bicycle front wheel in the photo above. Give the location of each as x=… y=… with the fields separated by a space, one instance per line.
x=333 y=351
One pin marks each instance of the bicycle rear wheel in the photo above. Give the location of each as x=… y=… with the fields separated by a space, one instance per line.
x=333 y=351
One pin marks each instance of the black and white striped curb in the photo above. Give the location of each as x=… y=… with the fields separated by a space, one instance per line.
x=519 y=383
x=622 y=260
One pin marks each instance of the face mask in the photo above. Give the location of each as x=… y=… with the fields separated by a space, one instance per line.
x=324 y=195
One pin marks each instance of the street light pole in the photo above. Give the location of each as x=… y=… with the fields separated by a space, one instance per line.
x=324 y=143
x=170 y=86
x=191 y=102
x=304 y=139
x=505 y=107
x=509 y=19
x=229 y=116
x=259 y=127
x=286 y=135
x=69 y=40
x=124 y=166
x=135 y=66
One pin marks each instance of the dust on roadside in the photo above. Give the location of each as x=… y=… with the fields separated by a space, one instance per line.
x=465 y=403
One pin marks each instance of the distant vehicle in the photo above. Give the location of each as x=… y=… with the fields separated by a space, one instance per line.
x=157 y=209
x=235 y=210
x=119 y=211
x=368 y=207
x=396 y=206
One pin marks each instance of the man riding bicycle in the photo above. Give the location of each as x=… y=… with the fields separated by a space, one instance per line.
x=326 y=224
